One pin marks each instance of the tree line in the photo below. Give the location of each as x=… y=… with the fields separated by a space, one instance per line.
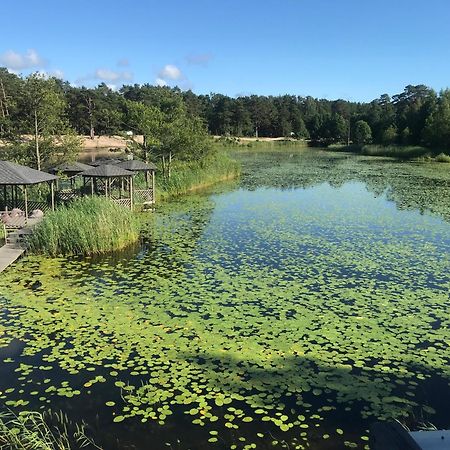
x=177 y=122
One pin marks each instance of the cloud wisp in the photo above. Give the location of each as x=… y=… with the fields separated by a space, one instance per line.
x=112 y=75
x=112 y=78
x=20 y=61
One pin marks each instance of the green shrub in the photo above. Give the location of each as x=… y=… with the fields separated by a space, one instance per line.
x=87 y=226
x=442 y=157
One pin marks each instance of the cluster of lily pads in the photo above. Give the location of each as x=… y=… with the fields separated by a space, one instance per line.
x=261 y=316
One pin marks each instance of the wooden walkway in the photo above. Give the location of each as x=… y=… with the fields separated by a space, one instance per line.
x=14 y=246
x=8 y=254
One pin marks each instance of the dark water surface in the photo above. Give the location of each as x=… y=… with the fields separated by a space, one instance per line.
x=289 y=309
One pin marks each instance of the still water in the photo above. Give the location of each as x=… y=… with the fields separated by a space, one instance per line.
x=291 y=308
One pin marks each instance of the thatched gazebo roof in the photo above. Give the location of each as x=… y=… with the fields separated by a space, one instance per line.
x=137 y=166
x=12 y=174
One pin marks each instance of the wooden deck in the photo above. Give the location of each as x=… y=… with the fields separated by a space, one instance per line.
x=14 y=246
x=8 y=254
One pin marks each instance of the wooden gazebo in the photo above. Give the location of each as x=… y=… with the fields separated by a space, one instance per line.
x=70 y=170
x=111 y=181
x=16 y=180
x=147 y=196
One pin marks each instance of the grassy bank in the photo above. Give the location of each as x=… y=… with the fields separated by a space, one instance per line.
x=407 y=152
x=91 y=225
x=263 y=143
x=186 y=177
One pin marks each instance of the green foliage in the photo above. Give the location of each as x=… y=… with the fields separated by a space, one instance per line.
x=362 y=133
x=442 y=157
x=41 y=114
x=437 y=129
x=389 y=135
x=87 y=226
x=175 y=123
x=185 y=137
x=32 y=430
x=171 y=135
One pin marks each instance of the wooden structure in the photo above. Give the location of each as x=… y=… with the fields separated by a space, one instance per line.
x=145 y=196
x=16 y=180
x=66 y=192
x=8 y=254
x=111 y=181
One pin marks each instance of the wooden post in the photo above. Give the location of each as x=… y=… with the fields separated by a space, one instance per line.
x=92 y=186
x=36 y=141
x=153 y=187
x=52 y=189
x=106 y=187
x=26 y=201
x=131 y=192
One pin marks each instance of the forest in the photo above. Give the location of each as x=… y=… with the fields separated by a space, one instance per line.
x=37 y=105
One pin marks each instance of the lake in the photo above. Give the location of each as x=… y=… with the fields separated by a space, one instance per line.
x=291 y=308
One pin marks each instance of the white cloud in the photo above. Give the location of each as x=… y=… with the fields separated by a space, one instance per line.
x=201 y=59
x=112 y=75
x=160 y=82
x=170 y=72
x=17 y=61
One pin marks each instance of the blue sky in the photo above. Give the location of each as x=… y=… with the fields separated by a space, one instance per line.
x=349 y=49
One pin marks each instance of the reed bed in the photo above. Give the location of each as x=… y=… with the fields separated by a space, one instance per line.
x=396 y=151
x=188 y=176
x=88 y=226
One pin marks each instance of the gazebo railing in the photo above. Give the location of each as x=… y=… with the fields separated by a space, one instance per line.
x=126 y=202
x=32 y=205
x=66 y=195
x=144 y=196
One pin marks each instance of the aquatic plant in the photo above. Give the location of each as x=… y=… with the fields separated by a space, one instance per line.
x=31 y=430
x=90 y=225
x=290 y=312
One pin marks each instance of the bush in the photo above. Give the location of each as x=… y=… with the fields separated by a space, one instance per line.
x=90 y=225
x=442 y=157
